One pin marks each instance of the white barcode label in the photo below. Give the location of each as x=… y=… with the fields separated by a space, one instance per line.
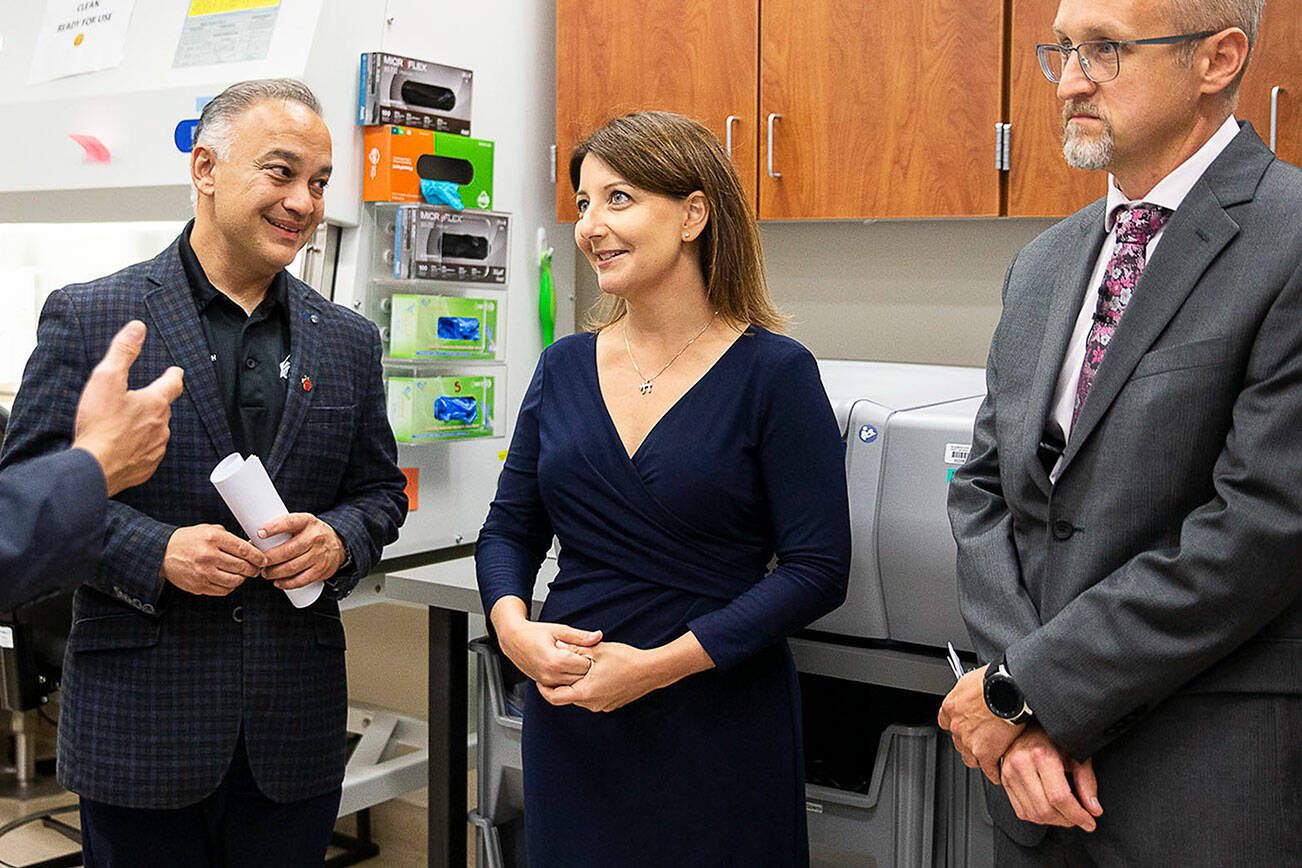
x=813 y=808
x=957 y=453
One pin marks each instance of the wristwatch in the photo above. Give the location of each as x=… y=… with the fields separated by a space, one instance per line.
x=347 y=563
x=1003 y=697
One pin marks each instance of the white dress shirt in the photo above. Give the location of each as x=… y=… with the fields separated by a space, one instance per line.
x=1168 y=193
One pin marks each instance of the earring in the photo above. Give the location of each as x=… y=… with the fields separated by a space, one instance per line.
x=687 y=236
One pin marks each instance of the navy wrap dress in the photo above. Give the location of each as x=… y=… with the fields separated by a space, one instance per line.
x=747 y=464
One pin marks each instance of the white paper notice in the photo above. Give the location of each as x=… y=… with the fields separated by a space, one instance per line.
x=79 y=36
x=226 y=31
x=249 y=493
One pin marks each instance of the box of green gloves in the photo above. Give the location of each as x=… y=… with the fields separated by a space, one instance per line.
x=423 y=409
x=431 y=326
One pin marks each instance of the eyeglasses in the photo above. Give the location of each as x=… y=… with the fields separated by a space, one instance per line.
x=1100 y=59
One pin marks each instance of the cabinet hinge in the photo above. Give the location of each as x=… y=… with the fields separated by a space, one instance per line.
x=553 y=163
x=1003 y=148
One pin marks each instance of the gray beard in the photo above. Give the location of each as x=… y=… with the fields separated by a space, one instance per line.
x=1093 y=154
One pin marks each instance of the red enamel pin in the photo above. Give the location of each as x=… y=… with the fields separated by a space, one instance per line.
x=307 y=384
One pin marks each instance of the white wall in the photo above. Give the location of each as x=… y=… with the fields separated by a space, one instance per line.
x=896 y=291
x=36 y=259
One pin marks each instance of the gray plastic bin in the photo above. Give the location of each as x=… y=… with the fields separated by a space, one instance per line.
x=961 y=812
x=498 y=817
x=890 y=825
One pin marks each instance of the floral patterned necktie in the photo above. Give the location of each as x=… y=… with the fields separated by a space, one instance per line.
x=1135 y=228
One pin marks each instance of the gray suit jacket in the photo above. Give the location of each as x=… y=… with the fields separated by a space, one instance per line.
x=1168 y=556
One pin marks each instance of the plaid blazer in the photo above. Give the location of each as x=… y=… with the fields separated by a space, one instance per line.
x=157 y=682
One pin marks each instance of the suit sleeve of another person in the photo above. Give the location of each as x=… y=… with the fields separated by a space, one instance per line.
x=1168 y=615
x=802 y=468
x=372 y=499
x=51 y=525
x=994 y=603
x=42 y=423
x=518 y=531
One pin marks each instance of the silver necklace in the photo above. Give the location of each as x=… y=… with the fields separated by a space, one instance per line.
x=649 y=382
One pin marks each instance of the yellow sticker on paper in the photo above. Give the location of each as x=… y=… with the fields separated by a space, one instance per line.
x=212 y=7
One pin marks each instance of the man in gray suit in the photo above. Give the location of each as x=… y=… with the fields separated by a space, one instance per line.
x=1129 y=524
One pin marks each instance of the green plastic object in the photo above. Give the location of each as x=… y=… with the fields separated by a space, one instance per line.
x=416 y=327
x=416 y=415
x=546 y=299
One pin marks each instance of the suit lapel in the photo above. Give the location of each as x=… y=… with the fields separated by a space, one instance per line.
x=305 y=351
x=171 y=307
x=1064 y=306
x=1199 y=230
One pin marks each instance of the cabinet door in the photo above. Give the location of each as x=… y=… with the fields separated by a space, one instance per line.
x=1274 y=63
x=695 y=58
x=888 y=108
x=1040 y=183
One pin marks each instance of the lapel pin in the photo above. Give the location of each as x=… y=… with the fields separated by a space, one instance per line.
x=307 y=383
x=314 y=319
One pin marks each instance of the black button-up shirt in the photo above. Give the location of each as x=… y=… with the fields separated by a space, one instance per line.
x=250 y=354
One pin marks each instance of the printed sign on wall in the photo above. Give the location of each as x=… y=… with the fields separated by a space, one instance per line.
x=79 y=36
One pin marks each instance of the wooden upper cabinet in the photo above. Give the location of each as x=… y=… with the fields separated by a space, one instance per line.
x=1274 y=63
x=1040 y=183
x=689 y=56
x=888 y=109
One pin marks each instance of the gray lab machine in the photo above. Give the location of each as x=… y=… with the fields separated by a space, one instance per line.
x=906 y=429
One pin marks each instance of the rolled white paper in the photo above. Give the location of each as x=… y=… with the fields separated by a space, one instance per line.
x=249 y=493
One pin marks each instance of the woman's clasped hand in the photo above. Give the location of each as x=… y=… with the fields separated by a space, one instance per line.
x=575 y=667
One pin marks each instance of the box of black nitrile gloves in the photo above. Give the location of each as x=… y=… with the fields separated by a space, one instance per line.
x=413 y=93
x=437 y=243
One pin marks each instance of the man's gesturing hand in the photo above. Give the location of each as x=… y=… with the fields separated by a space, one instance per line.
x=126 y=432
x=206 y=559
x=311 y=554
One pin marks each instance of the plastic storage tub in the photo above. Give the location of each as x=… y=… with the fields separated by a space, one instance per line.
x=961 y=812
x=870 y=769
x=893 y=824
x=499 y=816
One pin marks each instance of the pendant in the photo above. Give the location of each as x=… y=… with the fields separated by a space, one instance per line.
x=645 y=388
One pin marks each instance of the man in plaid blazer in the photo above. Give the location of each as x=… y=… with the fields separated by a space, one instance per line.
x=203 y=718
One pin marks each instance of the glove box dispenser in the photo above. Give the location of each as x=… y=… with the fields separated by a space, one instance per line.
x=414 y=93
x=441 y=326
x=426 y=409
x=426 y=242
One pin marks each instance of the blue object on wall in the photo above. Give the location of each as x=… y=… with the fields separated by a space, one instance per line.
x=183 y=135
x=458 y=328
x=449 y=408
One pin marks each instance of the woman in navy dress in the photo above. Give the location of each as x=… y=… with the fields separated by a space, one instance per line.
x=675 y=450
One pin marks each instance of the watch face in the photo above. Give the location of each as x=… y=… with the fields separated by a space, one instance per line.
x=1003 y=697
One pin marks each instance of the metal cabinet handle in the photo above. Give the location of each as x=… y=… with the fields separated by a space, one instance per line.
x=727 y=135
x=1274 y=115
x=773 y=119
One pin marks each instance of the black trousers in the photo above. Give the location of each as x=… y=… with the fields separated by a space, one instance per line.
x=234 y=826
